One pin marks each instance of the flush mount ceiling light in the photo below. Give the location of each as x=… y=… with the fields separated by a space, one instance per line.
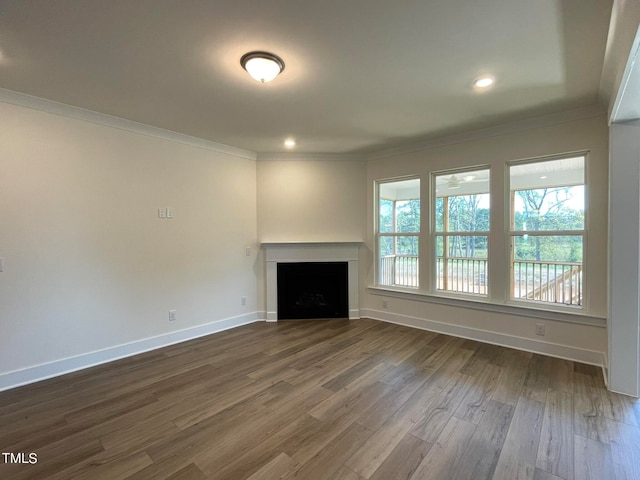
x=289 y=143
x=484 y=81
x=263 y=66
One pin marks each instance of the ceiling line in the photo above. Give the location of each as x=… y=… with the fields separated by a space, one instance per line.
x=90 y=116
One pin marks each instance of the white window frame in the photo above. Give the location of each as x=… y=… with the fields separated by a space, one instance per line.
x=378 y=234
x=498 y=297
x=512 y=234
x=433 y=256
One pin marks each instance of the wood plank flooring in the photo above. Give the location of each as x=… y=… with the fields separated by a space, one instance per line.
x=325 y=400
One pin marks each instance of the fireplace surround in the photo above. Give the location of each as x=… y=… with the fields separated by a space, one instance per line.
x=300 y=252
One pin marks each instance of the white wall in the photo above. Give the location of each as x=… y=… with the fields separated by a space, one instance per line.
x=91 y=272
x=579 y=341
x=88 y=263
x=311 y=198
x=624 y=257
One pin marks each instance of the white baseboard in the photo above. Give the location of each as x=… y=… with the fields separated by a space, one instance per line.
x=56 y=368
x=67 y=365
x=590 y=357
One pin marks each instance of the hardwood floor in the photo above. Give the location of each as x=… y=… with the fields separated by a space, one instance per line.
x=334 y=400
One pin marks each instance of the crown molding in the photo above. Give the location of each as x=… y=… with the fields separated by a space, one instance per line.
x=319 y=157
x=495 y=131
x=77 y=113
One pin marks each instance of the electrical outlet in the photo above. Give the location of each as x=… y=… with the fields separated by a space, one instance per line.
x=243 y=300
x=385 y=304
x=172 y=315
x=247 y=251
x=540 y=329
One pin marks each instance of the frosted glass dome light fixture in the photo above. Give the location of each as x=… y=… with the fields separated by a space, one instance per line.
x=263 y=66
x=484 y=82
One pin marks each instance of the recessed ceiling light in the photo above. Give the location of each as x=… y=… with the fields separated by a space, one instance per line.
x=263 y=66
x=289 y=143
x=484 y=81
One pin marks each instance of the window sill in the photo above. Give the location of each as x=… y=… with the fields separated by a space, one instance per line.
x=481 y=304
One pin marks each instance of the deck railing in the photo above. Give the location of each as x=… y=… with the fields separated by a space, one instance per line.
x=553 y=282
x=549 y=282
x=399 y=270
x=463 y=275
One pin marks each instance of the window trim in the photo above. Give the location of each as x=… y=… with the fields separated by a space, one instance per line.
x=433 y=235
x=524 y=310
x=378 y=234
x=498 y=288
x=510 y=234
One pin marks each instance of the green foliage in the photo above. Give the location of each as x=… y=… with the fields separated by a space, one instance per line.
x=465 y=215
x=556 y=248
x=407 y=220
x=541 y=210
x=408 y=216
x=385 y=210
x=548 y=209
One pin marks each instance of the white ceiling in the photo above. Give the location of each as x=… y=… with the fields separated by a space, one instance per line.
x=360 y=76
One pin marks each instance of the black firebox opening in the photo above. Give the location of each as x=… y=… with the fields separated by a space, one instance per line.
x=312 y=290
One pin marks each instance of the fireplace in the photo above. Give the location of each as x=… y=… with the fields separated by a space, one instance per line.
x=312 y=290
x=321 y=257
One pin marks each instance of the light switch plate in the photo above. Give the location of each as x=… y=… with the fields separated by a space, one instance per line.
x=162 y=213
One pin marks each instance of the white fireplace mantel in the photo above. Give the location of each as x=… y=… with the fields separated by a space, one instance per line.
x=311 y=252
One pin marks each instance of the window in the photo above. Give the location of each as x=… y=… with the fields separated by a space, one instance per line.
x=397 y=233
x=461 y=231
x=547 y=231
x=537 y=254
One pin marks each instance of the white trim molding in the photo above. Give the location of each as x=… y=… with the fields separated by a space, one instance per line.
x=77 y=113
x=590 y=357
x=56 y=368
x=534 y=311
x=624 y=258
x=494 y=131
x=311 y=252
x=311 y=157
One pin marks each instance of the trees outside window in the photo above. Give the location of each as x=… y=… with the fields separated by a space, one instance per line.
x=398 y=229
x=544 y=210
x=461 y=213
x=547 y=231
